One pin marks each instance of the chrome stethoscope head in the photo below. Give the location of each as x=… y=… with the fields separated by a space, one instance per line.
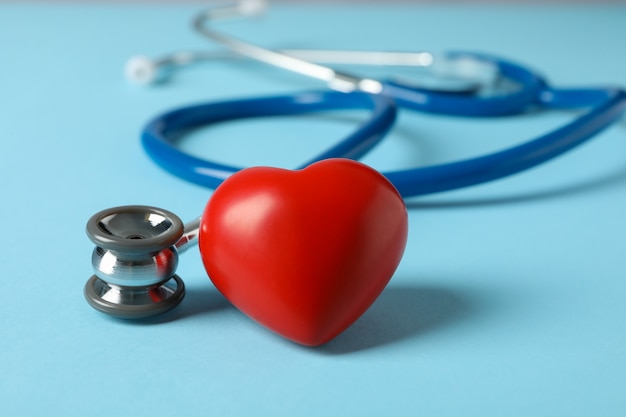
x=135 y=260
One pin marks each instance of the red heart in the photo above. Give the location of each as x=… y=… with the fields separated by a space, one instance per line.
x=306 y=252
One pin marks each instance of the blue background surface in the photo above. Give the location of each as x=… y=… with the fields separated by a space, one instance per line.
x=509 y=300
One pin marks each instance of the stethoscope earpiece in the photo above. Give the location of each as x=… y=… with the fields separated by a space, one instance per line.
x=142 y=70
x=135 y=261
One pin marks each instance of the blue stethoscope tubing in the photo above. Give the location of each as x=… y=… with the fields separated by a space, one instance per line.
x=606 y=105
x=160 y=135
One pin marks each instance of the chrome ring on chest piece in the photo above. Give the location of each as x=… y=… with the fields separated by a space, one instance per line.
x=135 y=261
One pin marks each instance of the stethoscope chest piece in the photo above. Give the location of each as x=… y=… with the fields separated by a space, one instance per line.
x=134 y=261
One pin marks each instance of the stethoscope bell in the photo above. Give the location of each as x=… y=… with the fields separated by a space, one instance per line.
x=134 y=261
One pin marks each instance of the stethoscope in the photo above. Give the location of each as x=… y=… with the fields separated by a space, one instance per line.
x=137 y=247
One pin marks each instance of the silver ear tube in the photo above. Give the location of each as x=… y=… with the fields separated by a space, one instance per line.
x=135 y=260
x=440 y=72
x=461 y=74
x=144 y=70
x=335 y=80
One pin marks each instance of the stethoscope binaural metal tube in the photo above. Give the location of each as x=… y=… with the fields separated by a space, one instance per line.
x=461 y=76
x=309 y=62
x=472 y=74
x=334 y=79
x=462 y=73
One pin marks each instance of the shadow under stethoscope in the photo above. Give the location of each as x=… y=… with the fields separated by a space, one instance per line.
x=199 y=300
x=598 y=183
x=400 y=312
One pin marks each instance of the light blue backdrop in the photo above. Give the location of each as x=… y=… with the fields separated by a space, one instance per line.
x=508 y=302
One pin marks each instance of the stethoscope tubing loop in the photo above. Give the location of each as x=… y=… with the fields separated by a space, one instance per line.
x=607 y=105
x=160 y=135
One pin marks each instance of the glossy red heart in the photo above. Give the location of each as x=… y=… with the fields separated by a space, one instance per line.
x=305 y=252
